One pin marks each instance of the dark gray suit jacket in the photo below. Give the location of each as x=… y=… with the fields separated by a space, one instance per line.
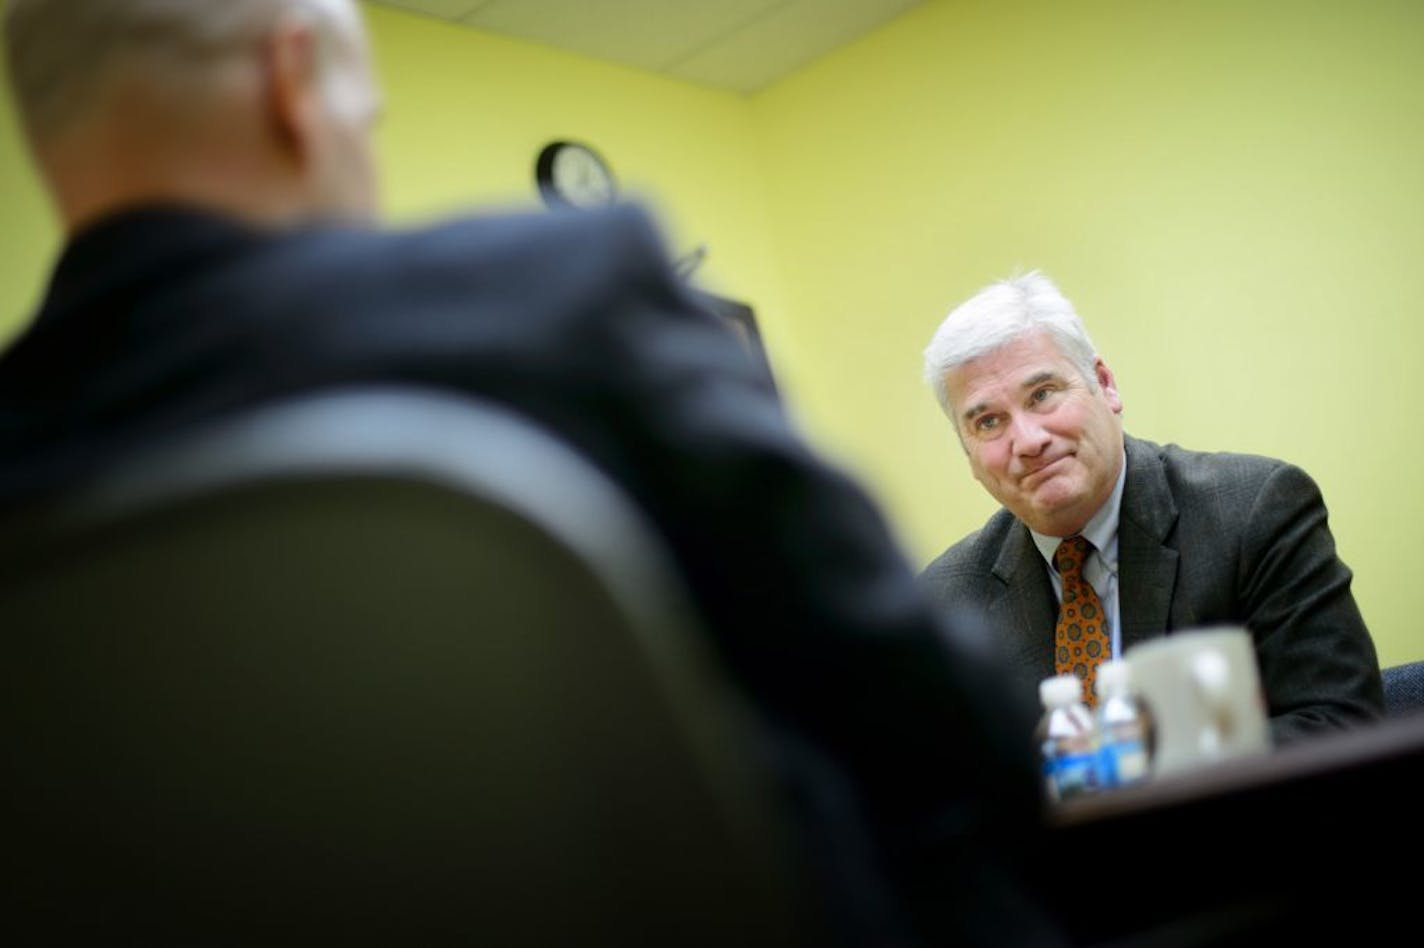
x=1203 y=539
x=877 y=713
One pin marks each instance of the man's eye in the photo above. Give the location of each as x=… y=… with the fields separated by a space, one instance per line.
x=986 y=423
x=1041 y=395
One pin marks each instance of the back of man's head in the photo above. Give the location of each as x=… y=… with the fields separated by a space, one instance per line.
x=148 y=78
x=60 y=50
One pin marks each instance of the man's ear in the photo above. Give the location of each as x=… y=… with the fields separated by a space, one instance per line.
x=1108 y=385
x=293 y=84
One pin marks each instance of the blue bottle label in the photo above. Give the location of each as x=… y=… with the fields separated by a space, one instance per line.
x=1070 y=774
x=1123 y=762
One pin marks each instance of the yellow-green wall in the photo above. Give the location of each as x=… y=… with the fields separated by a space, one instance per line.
x=466 y=115
x=28 y=235
x=1230 y=191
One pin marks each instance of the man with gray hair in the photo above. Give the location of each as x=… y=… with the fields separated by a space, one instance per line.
x=1106 y=540
x=211 y=165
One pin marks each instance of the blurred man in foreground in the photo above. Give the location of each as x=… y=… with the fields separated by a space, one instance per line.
x=211 y=163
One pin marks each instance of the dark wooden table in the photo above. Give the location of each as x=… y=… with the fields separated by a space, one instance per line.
x=1317 y=843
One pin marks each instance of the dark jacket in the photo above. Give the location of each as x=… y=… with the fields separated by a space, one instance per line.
x=1203 y=539
x=883 y=716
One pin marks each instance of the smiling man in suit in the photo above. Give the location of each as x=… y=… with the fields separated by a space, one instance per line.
x=1105 y=540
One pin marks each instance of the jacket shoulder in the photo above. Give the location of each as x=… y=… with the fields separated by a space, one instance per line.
x=588 y=250
x=1217 y=471
x=1218 y=491
x=533 y=270
x=975 y=554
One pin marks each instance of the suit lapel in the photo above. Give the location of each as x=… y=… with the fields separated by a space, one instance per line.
x=1147 y=568
x=1026 y=603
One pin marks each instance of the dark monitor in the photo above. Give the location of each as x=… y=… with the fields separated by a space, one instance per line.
x=742 y=321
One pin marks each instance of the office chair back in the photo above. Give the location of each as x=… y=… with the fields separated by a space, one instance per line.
x=1403 y=689
x=369 y=667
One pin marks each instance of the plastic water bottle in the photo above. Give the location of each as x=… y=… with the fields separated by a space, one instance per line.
x=1066 y=741
x=1125 y=728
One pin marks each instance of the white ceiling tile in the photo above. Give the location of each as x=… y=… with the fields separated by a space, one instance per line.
x=784 y=40
x=645 y=33
x=734 y=44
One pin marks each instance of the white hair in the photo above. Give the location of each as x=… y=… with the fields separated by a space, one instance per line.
x=59 y=50
x=1000 y=314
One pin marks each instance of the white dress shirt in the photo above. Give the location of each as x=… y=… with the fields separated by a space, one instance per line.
x=1101 y=568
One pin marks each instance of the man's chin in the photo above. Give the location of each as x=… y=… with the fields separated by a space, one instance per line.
x=1054 y=516
x=1054 y=495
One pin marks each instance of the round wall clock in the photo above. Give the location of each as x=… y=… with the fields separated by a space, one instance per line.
x=570 y=174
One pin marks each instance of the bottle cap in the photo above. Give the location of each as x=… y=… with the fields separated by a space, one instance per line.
x=1112 y=675
x=1060 y=690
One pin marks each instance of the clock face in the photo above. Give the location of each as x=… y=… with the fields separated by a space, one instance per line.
x=572 y=175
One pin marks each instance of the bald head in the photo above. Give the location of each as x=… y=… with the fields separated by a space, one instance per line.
x=260 y=107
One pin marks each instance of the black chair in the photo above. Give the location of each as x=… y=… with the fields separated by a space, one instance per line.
x=368 y=667
x=1403 y=689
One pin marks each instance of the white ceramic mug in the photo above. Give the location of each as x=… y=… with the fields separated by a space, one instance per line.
x=1204 y=692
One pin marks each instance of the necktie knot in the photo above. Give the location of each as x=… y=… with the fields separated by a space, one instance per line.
x=1070 y=556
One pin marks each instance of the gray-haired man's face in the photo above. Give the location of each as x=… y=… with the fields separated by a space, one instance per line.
x=1042 y=439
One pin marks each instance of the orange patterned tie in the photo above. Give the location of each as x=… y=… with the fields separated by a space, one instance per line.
x=1080 y=642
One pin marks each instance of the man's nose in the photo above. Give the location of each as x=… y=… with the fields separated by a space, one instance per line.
x=1029 y=437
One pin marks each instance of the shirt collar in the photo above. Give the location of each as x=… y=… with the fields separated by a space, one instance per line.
x=1100 y=530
